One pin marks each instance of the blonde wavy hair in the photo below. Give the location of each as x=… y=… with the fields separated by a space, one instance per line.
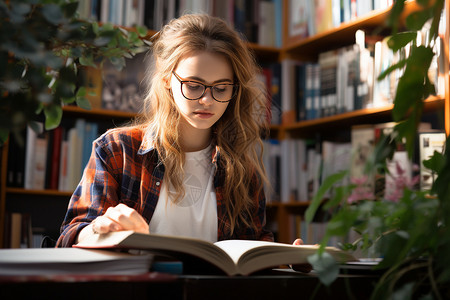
x=237 y=133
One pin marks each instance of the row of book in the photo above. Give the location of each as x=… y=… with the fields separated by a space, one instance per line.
x=297 y=167
x=19 y=233
x=310 y=17
x=342 y=80
x=260 y=21
x=52 y=159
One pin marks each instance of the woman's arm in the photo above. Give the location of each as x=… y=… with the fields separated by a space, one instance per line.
x=98 y=197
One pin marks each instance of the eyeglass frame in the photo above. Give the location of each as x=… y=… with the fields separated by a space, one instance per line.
x=235 y=87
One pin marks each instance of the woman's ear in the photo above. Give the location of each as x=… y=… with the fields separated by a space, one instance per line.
x=167 y=83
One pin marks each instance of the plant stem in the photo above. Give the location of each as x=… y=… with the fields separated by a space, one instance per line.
x=432 y=279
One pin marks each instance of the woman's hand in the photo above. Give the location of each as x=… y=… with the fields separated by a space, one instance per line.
x=305 y=268
x=118 y=218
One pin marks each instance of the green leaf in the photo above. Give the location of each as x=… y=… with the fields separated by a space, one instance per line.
x=339 y=193
x=410 y=85
x=95 y=28
x=76 y=52
x=435 y=162
x=102 y=41
x=325 y=266
x=395 y=13
x=88 y=60
x=408 y=130
x=133 y=37
x=53 y=114
x=83 y=102
x=81 y=92
x=107 y=27
x=441 y=186
x=118 y=62
x=142 y=31
x=400 y=40
x=68 y=100
x=416 y=20
x=392 y=68
x=318 y=197
x=70 y=9
x=52 y=13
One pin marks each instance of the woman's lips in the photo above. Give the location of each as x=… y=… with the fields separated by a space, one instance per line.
x=203 y=114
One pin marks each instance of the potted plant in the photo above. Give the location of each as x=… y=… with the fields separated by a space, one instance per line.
x=411 y=234
x=43 y=46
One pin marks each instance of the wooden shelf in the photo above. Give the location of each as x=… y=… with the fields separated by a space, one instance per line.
x=345 y=120
x=11 y=190
x=95 y=112
x=265 y=53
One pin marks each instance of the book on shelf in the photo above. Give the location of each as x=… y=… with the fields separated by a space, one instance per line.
x=363 y=143
x=64 y=261
x=15 y=176
x=36 y=157
x=323 y=15
x=300 y=92
x=272 y=164
x=91 y=79
x=266 y=29
x=17 y=230
x=232 y=257
x=288 y=83
x=429 y=142
x=276 y=92
x=299 y=19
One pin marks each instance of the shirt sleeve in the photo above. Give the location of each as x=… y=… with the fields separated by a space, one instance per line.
x=96 y=191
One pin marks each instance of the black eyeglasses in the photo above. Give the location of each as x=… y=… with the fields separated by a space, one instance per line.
x=194 y=90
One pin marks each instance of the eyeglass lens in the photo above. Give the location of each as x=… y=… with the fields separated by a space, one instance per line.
x=195 y=90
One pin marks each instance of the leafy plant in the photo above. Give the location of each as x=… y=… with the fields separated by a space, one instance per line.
x=411 y=234
x=43 y=46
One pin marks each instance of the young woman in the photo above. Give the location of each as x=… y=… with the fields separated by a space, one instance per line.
x=192 y=165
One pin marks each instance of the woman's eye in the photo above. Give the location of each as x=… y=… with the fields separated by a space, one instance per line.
x=220 y=88
x=194 y=86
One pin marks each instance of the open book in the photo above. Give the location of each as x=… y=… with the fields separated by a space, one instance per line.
x=233 y=257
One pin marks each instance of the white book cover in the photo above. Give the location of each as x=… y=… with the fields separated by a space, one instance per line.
x=288 y=91
x=29 y=158
x=362 y=140
x=266 y=26
x=302 y=179
x=429 y=142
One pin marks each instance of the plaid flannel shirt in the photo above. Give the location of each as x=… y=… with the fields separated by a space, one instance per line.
x=125 y=168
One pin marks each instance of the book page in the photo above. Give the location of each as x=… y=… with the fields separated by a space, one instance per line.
x=236 y=248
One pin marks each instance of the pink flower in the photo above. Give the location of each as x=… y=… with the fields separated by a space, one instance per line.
x=401 y=181
x=362 y=191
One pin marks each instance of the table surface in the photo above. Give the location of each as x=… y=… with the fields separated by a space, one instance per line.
x=270 y=284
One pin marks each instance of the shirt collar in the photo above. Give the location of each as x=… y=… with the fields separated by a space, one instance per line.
x=148 y=144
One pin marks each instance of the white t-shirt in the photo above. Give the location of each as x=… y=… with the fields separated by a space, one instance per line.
x=196 y=214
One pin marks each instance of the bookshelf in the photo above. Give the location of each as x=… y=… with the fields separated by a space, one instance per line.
x=305 y=49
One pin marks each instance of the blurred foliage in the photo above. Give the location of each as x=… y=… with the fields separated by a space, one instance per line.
x=43 y=44
x=411 y=234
